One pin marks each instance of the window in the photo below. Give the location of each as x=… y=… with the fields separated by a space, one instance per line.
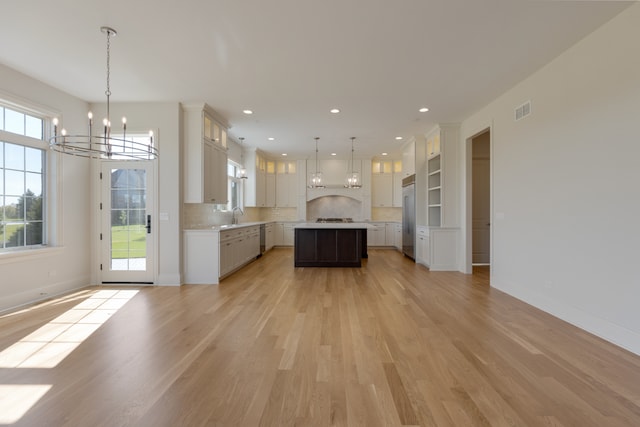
x=22 y=179
x=235 y=186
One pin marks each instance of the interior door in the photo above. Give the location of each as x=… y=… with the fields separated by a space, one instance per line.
x=481 y=225
x=127 y=224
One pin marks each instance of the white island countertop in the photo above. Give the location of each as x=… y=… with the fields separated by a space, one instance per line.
x=333 y=225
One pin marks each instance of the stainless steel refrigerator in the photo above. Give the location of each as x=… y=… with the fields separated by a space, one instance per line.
x=409 y=216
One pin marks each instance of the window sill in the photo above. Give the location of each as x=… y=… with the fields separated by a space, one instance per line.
x=19 y=255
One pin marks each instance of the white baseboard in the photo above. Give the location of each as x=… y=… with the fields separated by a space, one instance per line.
x=614 y=333
x=35 y=295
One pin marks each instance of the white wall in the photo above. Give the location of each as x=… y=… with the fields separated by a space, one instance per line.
x=566 y=184
x=28 y=276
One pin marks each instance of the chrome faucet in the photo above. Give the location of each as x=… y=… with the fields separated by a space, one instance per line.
x=233 y=215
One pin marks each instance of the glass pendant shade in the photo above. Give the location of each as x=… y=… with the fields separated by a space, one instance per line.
x=353 y=177
x=315 y=181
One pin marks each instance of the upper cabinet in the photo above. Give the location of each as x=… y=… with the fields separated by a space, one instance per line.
x=409 y=159
x=205 y=143
x=286 y=184
x=260 y=187
x=384 y=177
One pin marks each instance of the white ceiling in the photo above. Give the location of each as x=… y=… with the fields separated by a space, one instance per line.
x=291 y=61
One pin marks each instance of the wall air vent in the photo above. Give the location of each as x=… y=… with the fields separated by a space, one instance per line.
x=523 y=111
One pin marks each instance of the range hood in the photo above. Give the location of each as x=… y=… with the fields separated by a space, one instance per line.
x=335 y=190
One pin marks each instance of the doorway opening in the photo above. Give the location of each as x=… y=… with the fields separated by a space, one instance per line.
x=478 y=197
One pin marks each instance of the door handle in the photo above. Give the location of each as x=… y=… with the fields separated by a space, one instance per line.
x=148 y=224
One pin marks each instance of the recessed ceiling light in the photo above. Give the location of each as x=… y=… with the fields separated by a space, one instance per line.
x=284 y=154
x=271 y=138
x=398 y=138
x=423 y=110
x=335 y=110
x=384 y=154
x=334 y=154
x=247 y=111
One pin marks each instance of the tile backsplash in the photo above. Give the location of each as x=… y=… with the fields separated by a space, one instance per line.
x=202 y=214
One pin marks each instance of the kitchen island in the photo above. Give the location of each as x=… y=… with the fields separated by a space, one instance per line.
x=330 y=244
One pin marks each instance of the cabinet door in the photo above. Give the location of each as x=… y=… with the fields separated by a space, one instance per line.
x=382 y=187
x=209 y=154
x=286 y=190
x=288 y=235
x=390 y=234
x=397 y=190
x=270 y=193
x=278 y=234
x=269 y=238
x=220 y=184
x=261 y=187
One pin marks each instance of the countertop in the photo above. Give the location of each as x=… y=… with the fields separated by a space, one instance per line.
x=225 y=226
x=334 y=225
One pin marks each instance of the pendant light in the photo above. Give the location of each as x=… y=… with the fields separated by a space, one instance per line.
x=242 y=172
x=316 y=177
x=104 y=146
x=353 y=177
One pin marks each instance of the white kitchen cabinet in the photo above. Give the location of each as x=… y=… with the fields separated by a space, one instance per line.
x=398 y=236
x=409 y=159
x=397 y=189
x=382 y=190
x=210 y=254
x=286 y=184
x=278 y=230
x=205 y=155
x=288 y=234
x=269 y=236
x=270 y=194
x=390 y=234
x=422 y=245
x=376 y=235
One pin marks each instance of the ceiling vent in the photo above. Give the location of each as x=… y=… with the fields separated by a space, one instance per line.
x=523 y=111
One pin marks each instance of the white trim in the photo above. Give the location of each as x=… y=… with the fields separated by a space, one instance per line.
x=598 y=326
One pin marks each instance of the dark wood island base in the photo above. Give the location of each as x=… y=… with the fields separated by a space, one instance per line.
x=330 y=247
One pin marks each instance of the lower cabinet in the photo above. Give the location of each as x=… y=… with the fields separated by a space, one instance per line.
x=269 y=236
x=436 y=248
x=211 y=254
x=385 y=234
x=422 y=245
x=238 y=247
x=376 y=235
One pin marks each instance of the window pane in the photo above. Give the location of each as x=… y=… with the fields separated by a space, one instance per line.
x=34 y=184
x=14 y=235
x=34 y=233
x=34 y=159
x=34 y=127
x=1 y=153
x=13 y=121
x=14 y=183
x=13 y=209
x=34 y=208
x=1 y=118
x=137 y=199
x=14 y=156
x=1 y=184
x=119 y=199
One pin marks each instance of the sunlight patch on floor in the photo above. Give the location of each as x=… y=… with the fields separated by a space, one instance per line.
x=16 y=400
x=53 y=342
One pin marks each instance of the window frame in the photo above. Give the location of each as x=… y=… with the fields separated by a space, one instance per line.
x=239 y=184
x=50 y=166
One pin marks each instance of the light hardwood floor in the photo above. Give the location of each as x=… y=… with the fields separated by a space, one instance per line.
x=387 y=344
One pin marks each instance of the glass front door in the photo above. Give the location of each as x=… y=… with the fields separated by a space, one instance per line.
x=127 y=223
